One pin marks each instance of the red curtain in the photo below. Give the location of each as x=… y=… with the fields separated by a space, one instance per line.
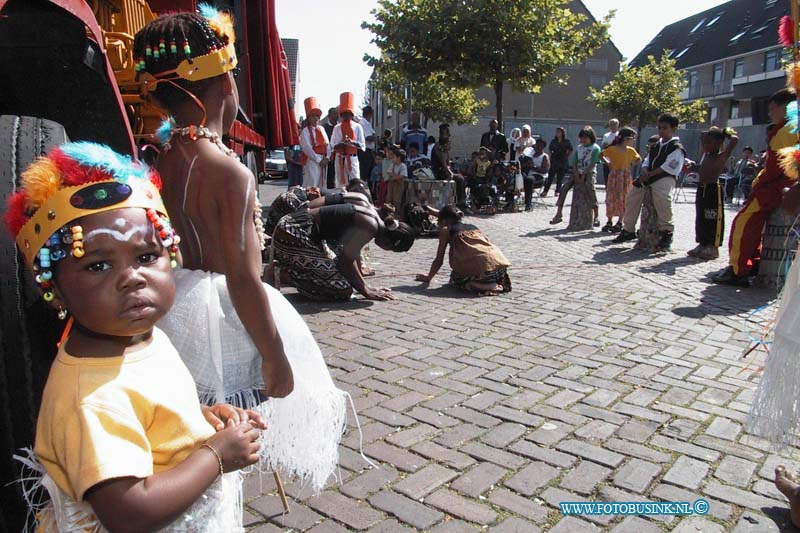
x=280 y=127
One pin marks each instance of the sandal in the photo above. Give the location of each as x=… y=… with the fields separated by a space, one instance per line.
x=617 y=227
x=556 y=219
x=608 y=227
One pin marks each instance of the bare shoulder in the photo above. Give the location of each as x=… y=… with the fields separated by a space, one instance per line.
x=221 y=171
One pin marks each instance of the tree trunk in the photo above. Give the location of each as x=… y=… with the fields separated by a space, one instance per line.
x=639 y=127
x=498 y=99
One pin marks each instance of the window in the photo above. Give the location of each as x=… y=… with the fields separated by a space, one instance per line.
x=738 y=68
x=680 y=54
x=717 y=75
x=734 y=110
x=697 y=26
x=760 y=30
x=772 y=60
x=692 y=79
x=597 y=81
x=771 y=3
x=735 y=38
x=713 y=114
x=713 y=21
x=597 y=64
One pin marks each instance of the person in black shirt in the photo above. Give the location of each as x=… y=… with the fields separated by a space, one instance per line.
x=560 y=150
x=495 y=141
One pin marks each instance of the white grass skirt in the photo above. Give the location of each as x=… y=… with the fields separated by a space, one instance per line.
x=304 y=429
x=775 y=413
x=218 y=509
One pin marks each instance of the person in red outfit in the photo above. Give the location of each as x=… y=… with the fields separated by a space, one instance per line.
x=744 y=244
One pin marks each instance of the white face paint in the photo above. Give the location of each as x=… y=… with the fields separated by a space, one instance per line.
x=244 y=221
x=116 y=234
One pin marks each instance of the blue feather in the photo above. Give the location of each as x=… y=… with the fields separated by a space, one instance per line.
x=791 y=115
x=102 y=157
x=207 y=10
x=164 y=130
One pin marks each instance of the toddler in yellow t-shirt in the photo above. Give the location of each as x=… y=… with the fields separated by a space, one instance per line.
x=121 y=435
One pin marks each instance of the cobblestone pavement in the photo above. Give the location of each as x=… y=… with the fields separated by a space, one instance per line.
x=606 y=375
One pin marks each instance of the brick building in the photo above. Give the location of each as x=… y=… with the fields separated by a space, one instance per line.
x=292 y=49
x=731 y=58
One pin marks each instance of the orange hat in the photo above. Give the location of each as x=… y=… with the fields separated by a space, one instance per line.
x=312 y=106
x=347 y=102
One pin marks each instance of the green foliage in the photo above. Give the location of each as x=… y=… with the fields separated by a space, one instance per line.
x=476 y=43
x=637 y=95
x=433 y=96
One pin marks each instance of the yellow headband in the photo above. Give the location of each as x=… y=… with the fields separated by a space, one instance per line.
x=71 y=203
x=200 y=68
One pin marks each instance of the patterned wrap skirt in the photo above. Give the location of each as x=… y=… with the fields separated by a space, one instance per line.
x=618 y=184
x=311 y=265
x=286 y=202
x=497 y=276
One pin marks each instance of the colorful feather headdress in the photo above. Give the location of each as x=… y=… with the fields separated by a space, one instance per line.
x=789 y=36
x=75 y=180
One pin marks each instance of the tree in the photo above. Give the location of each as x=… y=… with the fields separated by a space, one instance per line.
x=476 y=43
x=433 y=96
x=638 y=95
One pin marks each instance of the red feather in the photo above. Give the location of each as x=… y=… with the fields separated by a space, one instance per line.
x=786 y=31
x=73 y=173
x=155 y=178
x=15 y=216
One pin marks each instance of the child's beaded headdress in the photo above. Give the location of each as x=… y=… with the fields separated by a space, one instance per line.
x=221 y=57
x=76 y=180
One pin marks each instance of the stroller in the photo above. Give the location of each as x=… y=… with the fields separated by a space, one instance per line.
x=507 y=185
x=483 y=196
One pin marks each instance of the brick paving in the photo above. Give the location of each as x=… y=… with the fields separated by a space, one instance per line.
x=607 y=374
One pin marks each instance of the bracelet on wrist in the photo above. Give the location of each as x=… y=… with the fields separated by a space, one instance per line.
x=217 y=455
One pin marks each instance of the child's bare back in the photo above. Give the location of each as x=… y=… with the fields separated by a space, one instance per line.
x=212 y=198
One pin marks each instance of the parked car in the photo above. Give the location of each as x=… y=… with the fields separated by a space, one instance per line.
x=275 y=165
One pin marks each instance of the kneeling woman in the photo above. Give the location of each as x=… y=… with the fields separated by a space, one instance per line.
x=477 y=264
x=318 y=274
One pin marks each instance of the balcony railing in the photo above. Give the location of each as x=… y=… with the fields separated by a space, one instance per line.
x=705 y=90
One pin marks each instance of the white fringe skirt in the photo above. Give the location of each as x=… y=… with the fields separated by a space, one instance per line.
x=218 y=509
x=775 y=412
x=304 y=429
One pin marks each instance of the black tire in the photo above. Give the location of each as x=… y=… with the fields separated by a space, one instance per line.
x=28 y=328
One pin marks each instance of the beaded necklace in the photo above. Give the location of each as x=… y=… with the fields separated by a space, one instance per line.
x=201 y=132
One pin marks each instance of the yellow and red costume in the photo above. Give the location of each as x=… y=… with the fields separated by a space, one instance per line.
x=745 y=240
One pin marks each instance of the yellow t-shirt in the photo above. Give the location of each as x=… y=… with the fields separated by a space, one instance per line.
x=619 y=160
x=129 y=416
